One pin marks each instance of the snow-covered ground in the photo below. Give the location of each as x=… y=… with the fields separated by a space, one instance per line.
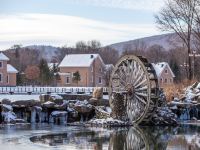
x=16 y=97
x=19 y=97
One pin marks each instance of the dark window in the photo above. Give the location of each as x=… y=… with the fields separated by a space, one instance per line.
x=161 y=80
x=166 y=71
x=7 y=79
x=1 y=77
x=100 y=80
x=67 y=79
x=1 y=64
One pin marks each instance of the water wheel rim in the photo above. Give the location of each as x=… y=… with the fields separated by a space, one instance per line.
x=131 y=141
x=136 y=82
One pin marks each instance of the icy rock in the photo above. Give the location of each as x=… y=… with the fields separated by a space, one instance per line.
x=58 y=113
x=56 y=98
x=6 y=107
x=108 y=122
x=164 y=116
x=27 y=103
x=102 y=112
x=98 y=93
x=44 y=98
x=49 y=104
x=6 y=101
x=9 y=117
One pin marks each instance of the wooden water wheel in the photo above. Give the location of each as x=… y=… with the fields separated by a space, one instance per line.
x=136 y=79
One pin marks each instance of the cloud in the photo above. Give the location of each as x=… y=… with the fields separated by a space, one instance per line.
x=152 y=5
x=58 y=30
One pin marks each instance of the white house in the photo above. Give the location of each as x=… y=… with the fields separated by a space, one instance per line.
x=164 y=73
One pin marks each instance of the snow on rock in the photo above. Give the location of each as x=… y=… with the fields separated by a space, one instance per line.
x=108 y=122
x=164 y=116
x=7 y=107
x=9 y=116
x=58 y=113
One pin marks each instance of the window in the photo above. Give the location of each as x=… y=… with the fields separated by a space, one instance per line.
x=1 y=64
x=161 y=80
x=166 y=71
x=67 y=80
x=92 y=80
x=92 y=69
x=100 y=80
x=165 y=80
x=7 y=78
x=101 y=69
x=1 y=77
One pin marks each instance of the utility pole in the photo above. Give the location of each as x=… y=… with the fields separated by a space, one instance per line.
x=194 y=55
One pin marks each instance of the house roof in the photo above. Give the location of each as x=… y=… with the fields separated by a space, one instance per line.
x=159 y=68
x=79 y=60
x=3 y=57
x=11 y=69
x=50 y=65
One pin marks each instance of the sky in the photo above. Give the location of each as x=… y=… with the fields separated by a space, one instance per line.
x=64 y=22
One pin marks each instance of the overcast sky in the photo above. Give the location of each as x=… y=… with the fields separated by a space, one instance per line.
x=64 y=22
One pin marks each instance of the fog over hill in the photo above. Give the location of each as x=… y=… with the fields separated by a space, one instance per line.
x=167 y=41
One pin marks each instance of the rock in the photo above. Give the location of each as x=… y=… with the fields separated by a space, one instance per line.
x=44 y=98
x=101 y=112
x=26 y=103
x=49 y=104
x=58 y=113
x=6 y=107
x=6 y=101
x=164 y=116
x=56 y=99
x=9 y=117
x=98 y=93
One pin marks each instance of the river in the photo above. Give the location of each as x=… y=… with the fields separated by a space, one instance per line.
x=61 y=137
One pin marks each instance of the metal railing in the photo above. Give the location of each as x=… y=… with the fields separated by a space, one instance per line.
x=44 y=90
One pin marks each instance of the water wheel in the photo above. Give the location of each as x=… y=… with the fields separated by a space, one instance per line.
x=136 y=79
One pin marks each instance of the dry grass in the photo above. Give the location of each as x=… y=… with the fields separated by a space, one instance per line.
x=177 y=90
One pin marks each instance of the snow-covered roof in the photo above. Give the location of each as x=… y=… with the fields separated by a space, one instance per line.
x=159 y=68
x=11 y=69
x=50 y=65
x=3 y=57
x=109 y=66
x=79 y=60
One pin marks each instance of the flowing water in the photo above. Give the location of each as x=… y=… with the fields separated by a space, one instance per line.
x=58 y=137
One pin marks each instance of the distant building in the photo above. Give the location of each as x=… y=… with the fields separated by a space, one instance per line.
x=90 y=67
x=7 y=72
x=164 y=73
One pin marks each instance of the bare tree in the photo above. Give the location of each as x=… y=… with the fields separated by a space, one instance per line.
x=179 y=16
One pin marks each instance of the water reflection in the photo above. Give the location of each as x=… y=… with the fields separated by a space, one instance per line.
x=135 y=138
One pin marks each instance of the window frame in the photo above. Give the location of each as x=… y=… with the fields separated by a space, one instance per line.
x=1 y=66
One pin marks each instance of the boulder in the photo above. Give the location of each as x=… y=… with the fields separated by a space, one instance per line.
x=164 y=116
x=26 y=103
x=97 y=93
x=44 y=98
x=49 y=104
x=6 y=101
x=56 y=99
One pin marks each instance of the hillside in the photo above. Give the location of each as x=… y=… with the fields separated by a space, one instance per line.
x=167 y=41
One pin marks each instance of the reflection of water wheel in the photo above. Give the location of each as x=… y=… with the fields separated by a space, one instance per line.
x=136 y=140
x=136 y=79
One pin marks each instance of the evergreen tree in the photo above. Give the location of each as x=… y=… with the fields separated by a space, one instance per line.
x=45 y=74
x=176 y=70
x=76 y=77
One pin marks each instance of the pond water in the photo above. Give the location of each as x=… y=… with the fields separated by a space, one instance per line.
x=58 y=137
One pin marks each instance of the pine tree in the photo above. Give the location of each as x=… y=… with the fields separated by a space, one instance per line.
x=76 y=77
x=45 y=74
